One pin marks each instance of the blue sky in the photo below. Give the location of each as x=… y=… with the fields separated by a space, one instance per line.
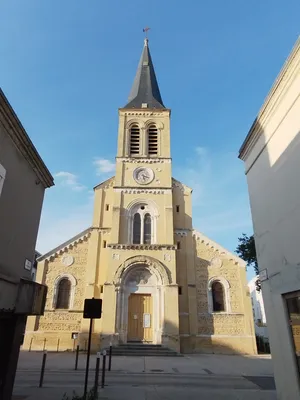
x=66 y=66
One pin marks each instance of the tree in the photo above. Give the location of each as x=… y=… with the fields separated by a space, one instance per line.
x=246 y=250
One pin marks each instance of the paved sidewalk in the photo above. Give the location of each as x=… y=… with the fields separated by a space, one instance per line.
x=200 y=364
x=205 y=377
x=153 y=393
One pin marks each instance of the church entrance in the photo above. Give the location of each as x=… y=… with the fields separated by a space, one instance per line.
x=140 y=301
x=139 y=318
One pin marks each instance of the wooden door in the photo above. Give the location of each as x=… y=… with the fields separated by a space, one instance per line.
x=140 y=318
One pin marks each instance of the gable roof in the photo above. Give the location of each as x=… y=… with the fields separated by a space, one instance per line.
x=217 y=247
x=66 y=245
x=105 y=184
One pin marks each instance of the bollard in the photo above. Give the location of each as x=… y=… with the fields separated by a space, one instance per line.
x=43 y=369
x=110 y=354
x=97 y=376
x=103 y=369
x=76 y=358
x=44 y=344
x=57 y=349
x=31 y=340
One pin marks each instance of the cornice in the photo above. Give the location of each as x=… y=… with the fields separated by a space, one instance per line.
x=133 y=190
x=183 y=188
x=141 y=160
x=218 y=248
x=120 y=246
x=288 y=71
x=106 y=184
x=182 y=232
x=18 y=135
x=142 y=112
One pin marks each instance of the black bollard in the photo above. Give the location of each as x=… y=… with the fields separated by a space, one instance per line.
x=97 y=375
x=43 y=369
x=110 y=355
x=103 y=369
x=76 y=359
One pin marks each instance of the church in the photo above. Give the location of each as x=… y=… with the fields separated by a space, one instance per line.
x=161 y=281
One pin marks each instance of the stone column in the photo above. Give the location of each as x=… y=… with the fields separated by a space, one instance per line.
x=108 y=313
x=170 y=336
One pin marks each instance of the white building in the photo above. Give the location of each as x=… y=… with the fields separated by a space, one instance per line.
x=271 y=153
x=259 y=315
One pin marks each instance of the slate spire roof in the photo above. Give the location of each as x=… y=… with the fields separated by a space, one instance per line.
x=145 y=91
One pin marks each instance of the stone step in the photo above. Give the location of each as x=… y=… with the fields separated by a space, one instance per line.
x=140 y=346
x=145 y=350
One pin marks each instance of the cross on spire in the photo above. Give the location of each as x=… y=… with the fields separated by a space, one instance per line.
x=145 y=30
x=145 y=90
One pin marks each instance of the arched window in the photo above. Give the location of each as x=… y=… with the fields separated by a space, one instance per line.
x=136 y=229
x=147 y=229
x=152 y=140
x=142 y=223
x=63 y=294
x=134 y=140
x=218 y=297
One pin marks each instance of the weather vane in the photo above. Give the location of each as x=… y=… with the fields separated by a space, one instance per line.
x=145 y=30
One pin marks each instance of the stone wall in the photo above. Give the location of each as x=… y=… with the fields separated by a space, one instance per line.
x=222 y=332
x=53 y=331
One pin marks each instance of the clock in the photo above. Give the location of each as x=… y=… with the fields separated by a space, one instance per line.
x=143 y=176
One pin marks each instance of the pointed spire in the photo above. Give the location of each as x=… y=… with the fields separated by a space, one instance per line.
x=145 y=91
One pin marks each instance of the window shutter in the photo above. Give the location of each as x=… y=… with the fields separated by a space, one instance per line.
x=152 y=140
x=134 y=140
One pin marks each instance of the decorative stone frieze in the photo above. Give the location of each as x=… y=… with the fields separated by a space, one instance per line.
x=182 y=232
x=142 y=191
x=221 y=324
x=141 y=246
x=144 y=160
x=144 y=114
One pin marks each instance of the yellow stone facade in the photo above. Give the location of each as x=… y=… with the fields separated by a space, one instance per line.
x=177 y=266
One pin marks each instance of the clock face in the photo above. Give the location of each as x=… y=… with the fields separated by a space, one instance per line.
x=143 y=176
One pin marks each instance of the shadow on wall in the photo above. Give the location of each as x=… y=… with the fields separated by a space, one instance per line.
x=274 y=197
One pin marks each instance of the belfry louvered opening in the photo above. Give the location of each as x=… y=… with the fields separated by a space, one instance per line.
x=152 y=140
x=134 y=140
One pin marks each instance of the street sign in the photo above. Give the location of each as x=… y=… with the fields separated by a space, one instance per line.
x=92 y=308
x=263 y=275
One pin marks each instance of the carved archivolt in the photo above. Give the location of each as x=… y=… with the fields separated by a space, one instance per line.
x=155 y=266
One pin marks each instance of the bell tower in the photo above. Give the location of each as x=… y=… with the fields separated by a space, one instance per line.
x=143 y=162
x=141 y=267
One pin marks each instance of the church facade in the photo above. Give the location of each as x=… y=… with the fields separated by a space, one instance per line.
x=161 y=281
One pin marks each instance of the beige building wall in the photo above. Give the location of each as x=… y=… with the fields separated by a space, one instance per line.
x=271 y=156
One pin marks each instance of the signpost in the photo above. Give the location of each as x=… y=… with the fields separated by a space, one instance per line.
x=92 y=310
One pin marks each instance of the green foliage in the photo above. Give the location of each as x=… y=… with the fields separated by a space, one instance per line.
x=246 y=250
x=89 y=396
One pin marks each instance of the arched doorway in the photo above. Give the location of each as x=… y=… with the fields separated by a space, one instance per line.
x=140 y=304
